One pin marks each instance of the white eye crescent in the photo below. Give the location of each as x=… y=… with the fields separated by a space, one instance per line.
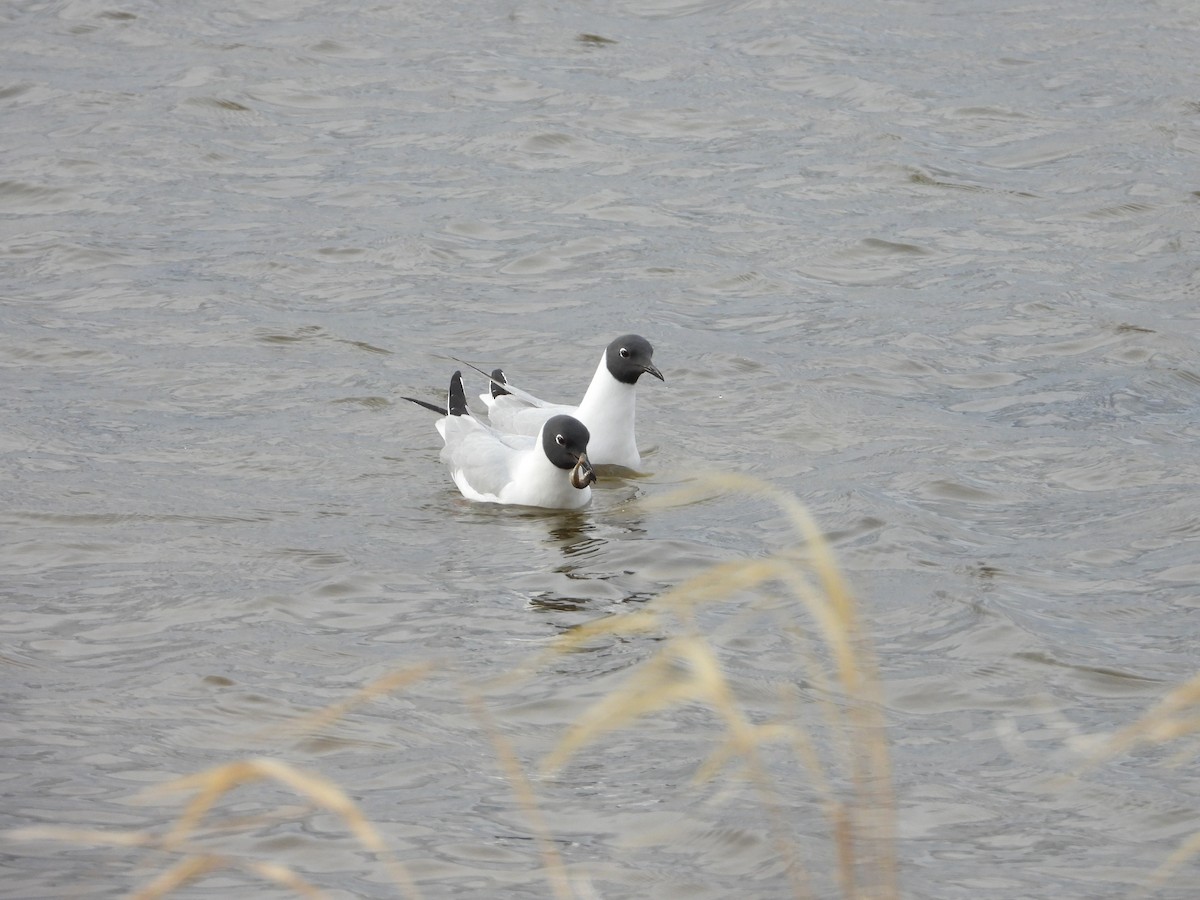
x=624 y=353
x=560 y=440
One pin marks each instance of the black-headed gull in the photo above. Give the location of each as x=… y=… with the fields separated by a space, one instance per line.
x=607 y=409
x=549 y=470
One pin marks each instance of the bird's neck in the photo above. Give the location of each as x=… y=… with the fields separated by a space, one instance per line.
x=608 y=410
x=606 y=395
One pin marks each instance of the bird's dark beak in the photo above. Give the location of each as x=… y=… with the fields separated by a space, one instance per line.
x=651 y=370
x=583 y=474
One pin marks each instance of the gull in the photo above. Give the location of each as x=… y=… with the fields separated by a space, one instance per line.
x=607 y=409
x=549 y=470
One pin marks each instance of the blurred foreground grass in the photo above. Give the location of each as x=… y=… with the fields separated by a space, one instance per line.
x=1174 y=717
x=840 y=745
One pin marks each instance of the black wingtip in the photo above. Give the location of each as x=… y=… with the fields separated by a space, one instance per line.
x=456 y=400
x=498 y=379
x=437 y=409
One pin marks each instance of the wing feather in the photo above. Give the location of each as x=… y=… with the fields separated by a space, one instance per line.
x=481 y=460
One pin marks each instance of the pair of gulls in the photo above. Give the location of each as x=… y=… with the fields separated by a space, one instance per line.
x=534 y=453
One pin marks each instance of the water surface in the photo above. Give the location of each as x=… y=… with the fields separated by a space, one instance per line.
x=928 y=266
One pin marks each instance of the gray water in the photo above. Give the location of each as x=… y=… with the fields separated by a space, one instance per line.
x=929 y=266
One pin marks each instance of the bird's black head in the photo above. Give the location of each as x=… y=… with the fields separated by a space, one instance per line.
x=629 y=356
x=564 y=441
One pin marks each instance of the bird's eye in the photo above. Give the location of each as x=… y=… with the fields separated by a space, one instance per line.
x=624 y=353
x=561 y=441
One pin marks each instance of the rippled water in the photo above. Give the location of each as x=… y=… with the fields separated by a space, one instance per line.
x=929 y=266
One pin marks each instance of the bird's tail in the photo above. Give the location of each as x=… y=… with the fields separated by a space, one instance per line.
x=456 y=399
x=498 y=380
x=440 y=410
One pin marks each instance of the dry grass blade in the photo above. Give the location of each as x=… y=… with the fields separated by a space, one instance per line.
x=736 y=745
x=284 y=876
x=684 y=671
x=1165 y=722
x=1176 y=715
x=212 y=784
x=656 y=685
x=806 y=600
x=393 y=681
x=552 y=860
x=187 y=870
x=84 y=836
x=193 y=868
x=1187 y=850
x=833 y=606
x=864 y=829
x=638 y=622
x=718 y=582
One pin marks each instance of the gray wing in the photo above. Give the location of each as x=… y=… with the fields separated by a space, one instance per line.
x=517 y=411
x=516 y=393
x=481 y=460
x=511 y=414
